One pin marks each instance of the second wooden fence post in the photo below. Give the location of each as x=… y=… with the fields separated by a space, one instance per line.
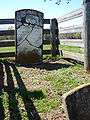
x=54 y=37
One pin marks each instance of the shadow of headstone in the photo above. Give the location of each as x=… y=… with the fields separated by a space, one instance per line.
x=10 y=89
x=7 y=73
x=27 y=96
x=2 y=115
x=77 y=103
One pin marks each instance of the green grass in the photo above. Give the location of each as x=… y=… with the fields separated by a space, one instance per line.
x=7 y=49
x=12 y=49
x=61 y=81
x=46 y=105
x=66 y=79
x=73 y=49
x=48 y=47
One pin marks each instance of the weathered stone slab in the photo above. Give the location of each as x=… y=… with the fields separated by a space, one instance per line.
x=77 y=103
x=29 y=34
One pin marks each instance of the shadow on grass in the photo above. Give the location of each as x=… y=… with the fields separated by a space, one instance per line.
x=47 y=66
x=73 y=61
x=1 y=88
x=11 y=90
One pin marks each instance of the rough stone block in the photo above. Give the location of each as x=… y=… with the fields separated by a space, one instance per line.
x=29 y=34
x=77 y=103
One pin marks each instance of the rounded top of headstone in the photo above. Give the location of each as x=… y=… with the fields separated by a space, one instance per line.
x=75 y=90
x=31 y=11
x=29 y=16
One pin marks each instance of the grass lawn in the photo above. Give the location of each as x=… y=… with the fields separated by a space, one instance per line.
x=48 y=47
x=33 y=92
x=73 y=49
x=7 y=49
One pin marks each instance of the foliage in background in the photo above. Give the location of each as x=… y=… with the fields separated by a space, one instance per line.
x=70 y=35
x=59 y=1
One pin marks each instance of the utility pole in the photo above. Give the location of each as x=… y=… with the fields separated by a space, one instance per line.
x=86 y=34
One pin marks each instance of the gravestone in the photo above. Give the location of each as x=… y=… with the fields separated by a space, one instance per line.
x=29 y=35
x=77 y=103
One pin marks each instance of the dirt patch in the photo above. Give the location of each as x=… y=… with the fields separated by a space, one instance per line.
x=29 y=79
x=32 y=77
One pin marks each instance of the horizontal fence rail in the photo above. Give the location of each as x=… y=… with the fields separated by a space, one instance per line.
x=7 y=54
x=7 y=21
x=71 y=29
x=12 y=21
x=7 y=32
x=11 y=43
x=46 y=31
x=46 y=42
x=46 y=21
x=72 y=15
x=12 y=32
x=7 y=43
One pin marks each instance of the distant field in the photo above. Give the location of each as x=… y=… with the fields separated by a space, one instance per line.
x=7 y=49
x=73 y=49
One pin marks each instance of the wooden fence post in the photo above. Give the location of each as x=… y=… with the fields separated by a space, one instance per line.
x=54 y=37
x=86 y=33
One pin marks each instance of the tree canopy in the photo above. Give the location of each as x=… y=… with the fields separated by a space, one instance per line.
x=67 y=1
x=59 y=1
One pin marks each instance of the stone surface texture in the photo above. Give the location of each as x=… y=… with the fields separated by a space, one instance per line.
x=29 y=34
x=77 y=103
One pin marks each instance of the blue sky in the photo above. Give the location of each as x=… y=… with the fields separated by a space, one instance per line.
x=50 y=9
